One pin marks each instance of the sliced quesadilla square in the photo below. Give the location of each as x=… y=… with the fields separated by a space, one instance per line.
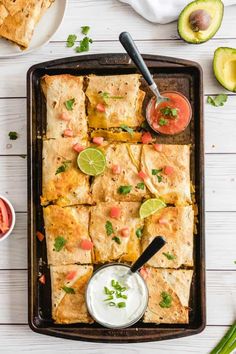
x=67 y=236
x=68 y=283
x=63 y=183
x=175 y=224
x=120 y=180
x=114 y=101
x=169 y=292
x=65 y=100
x=113 y=230
x=168 y=172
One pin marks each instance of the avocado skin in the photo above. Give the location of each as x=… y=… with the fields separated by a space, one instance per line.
x=181 y=17
x=218 y=70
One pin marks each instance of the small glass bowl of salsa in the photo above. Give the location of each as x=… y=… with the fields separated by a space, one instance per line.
x=169 y=117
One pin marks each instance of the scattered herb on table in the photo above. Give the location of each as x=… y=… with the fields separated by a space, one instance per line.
x=169 y=256
x=127 y=129
x=163 y=121
x=59 y=243
x=139 y=232
x=124 y=189
x=166 y=301
x=140 y=185
x=168 y=111
x=219 y=100
x=109 y=228
x=69 y=104
x=13 y=135
x=68 y=290
x=84 y=45
x=64 y=166
x=71 y=40
x=85 y=30
x=156 y=172
x=116 y=239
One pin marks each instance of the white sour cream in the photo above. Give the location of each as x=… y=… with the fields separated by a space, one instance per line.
x=113 y=316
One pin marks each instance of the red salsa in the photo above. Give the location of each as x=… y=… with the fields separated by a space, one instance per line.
x=169 y=117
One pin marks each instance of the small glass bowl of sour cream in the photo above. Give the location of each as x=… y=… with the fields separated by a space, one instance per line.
x=115 y=300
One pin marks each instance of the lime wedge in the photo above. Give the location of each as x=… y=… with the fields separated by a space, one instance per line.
x=91 y=161
x=150 y=206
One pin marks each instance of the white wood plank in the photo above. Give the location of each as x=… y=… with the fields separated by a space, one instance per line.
x=108 y=18
x=219 y=124
x=221 y=297
x=21 y=338
x=220 y=181
x=218 y=226
x=13 y=72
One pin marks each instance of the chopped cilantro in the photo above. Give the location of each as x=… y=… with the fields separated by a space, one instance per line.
x=85 y=30
x=63 y=167
x=127 y=129
x=116 y=239
x=163 y=121
x=71 y=40
x=140 y=185
x=139 y=232
x=166 y=301
x=124 y=189
x=109 y=228
x=13 y=135
x=69 y=104
x=168 y=111
x=219 y=100
x=156 y=172
x=68 y=290
x=169 y=256
x=84 y=45
x=59 y=243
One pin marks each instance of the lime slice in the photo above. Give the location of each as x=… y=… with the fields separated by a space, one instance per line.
x=150 y=206
x=91 y=161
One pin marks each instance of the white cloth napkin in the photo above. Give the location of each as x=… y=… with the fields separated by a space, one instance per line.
x=162 y=11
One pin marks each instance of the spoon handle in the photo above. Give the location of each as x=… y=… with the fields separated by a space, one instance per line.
x=157 y=243
x=130 y=47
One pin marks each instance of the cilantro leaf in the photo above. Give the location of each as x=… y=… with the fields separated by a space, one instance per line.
x=59 y=243
x=156 y=172
x=127 y=129
x=71 y=40
x=219 y=100
x=124 y=189
x=13 y=135
x=166 y=301
x=63 y=167
x=163 y=121
x=85 y=30
x=84 y=45
x=139 y=232
x=140 y=185
x=69 y=104
x=68 y=290
x=116 y=239
x=169 y=256
x=109 y=228
x=168 y=111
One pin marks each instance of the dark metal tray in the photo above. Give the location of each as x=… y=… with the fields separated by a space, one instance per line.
x=170 y=74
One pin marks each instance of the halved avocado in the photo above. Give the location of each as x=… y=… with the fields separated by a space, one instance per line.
x=200 y=20
x=224 y=66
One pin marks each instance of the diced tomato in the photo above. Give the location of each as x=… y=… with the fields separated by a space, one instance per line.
x=98 y=140
x=124 y=232
x=163 y=221
x=143 y=271
x=71 y=275
x=42 y=279
x=146 y=138
x=158 y=147
x=116 y=170
x=168 y=170
x=64 y=116
x=78 y=148
x=40 y=236
x=4 y=218
x=142 y=175
x=115 y=212
x=86 y=245
x=68 y=132
x=100 y=107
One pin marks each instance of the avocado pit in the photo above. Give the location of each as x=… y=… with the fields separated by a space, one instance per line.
x=199 y=20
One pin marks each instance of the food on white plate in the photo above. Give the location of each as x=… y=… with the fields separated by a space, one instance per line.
x=5 y=217
x=21 y=19
x=108 y=187
x=224 y=67
x=200 y=20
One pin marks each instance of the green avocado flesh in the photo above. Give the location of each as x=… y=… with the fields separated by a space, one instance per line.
x=224 y=66
x=213 y=8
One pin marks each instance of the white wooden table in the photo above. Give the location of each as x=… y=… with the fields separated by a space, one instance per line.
x=107 y=19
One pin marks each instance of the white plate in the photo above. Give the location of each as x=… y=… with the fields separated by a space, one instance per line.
x=45 y=29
